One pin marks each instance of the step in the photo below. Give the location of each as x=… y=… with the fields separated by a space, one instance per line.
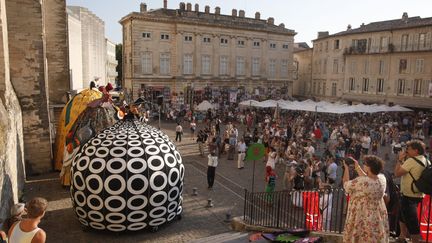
x=224 y=237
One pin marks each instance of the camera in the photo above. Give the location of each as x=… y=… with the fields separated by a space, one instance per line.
x=351 y=168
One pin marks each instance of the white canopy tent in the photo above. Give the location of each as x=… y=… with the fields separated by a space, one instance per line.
x=204 y=106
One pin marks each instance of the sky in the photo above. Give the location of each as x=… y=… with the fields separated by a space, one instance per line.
x=306 y=17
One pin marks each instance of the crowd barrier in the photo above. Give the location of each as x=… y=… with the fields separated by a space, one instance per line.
x=316 y=210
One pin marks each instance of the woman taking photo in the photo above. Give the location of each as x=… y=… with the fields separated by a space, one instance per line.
x=366 y=219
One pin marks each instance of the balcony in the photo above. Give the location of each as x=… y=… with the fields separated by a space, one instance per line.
x=390 y=48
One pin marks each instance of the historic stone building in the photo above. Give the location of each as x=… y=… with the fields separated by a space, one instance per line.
x=111 y=62
x=193 y=54
x=93 y=45
x=34 y=79
x=302 y=73
x=387 y=62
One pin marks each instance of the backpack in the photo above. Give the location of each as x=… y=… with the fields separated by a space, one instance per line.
x=424 y=182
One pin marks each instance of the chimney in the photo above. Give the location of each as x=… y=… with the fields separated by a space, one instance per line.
x=257 y=15
x=207 y=9
x=196 y=7
x=241 y=13
x=362 y=25
x=189 y=7
x=217 y=10
x=182 y=6
x=270 y=20
x=143 y=7
x=405 y=17
x=322 y=34
x=165 y=4
x=234 y=12
x=282 y=25
x=349 y=27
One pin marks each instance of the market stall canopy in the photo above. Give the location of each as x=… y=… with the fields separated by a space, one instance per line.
x=205 y=105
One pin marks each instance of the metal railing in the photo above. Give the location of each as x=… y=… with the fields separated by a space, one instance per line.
x=316 y=210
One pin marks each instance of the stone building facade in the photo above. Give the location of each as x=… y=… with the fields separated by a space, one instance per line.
x=75 y=51
x=388 y=62
x=175 y=51
x=302 y=73
x=93 y=51
x=111 y=62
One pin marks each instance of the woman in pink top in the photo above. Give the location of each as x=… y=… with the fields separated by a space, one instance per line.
x=27 y=230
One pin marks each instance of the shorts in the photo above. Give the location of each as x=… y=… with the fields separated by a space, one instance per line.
x=408 y=214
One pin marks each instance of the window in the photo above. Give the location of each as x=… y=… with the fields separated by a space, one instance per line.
x=224 y=41
x=164 y=37
x=223 y=65
x=381 y=67
x=359 y=45
x=383 y=43
x=285 y=46
x=365 y=87
x=417 y=86
x=334 y=89
x=314 y=88
x=326 y=46
x=187 y=64
x=240 y=66
x=164 y=63
x=353 y=67
x=272 y=45
x=284 y=68
x=336 y=44
x=205 y=64
x=146 y=63
x=272 y=68
x=146 y=35
x=320 y=48
x=241 y=43
x=419 y=65
x=324 y=88
x=256 y=44
x=401 y=86
x=366 y=67
x=335 y=65
x=404 y=42
x=422 y=40
x=351 y=84
x=402 y=65
x=380 y=85
x=255 y=66
x=206 y=39
x=188 y=38
x=325 y=66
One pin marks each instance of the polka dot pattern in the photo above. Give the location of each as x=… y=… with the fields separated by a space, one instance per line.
x=127 y=178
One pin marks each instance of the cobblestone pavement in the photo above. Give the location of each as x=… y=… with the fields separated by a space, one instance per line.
x=197 y=221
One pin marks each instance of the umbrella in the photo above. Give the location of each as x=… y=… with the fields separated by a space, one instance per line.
x=67 y=119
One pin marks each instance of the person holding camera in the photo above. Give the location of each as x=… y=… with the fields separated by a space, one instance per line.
x=408 y=167
x=366 y=219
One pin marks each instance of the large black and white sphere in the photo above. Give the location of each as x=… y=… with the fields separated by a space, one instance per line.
x=127 y=177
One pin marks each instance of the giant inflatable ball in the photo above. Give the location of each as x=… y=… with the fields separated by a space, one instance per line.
x=127 y=177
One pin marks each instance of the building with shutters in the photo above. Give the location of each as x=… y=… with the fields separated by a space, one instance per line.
x=386 y=62
x=191 y=55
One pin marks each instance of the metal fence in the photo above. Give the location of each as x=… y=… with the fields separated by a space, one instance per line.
x=316 y=210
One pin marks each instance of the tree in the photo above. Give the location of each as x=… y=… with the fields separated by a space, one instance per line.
x=119 y=68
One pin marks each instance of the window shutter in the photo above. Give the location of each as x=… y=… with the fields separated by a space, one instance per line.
x=416 y=41
x=428 y=39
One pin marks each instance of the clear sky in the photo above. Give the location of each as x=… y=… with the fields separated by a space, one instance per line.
x=306 y=17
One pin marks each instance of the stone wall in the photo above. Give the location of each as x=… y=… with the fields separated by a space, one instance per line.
x=55 y=25
x=11 y=132
x=29 y=79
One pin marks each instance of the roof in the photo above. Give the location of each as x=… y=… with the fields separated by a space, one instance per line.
x=385 y=26
x=193 y=17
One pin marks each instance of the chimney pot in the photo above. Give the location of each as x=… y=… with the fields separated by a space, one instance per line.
x=405 y=17
x=143 y=7
x=349 y=27
x=257 y=15
x=270 y=20
x=241 y=13
x=282 y=25
x=207 y=9
x=189 y=7
x=234 y=12
x=217 y=10
x=182 y=6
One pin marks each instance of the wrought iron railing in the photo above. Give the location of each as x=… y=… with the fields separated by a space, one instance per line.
x=316 y=210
